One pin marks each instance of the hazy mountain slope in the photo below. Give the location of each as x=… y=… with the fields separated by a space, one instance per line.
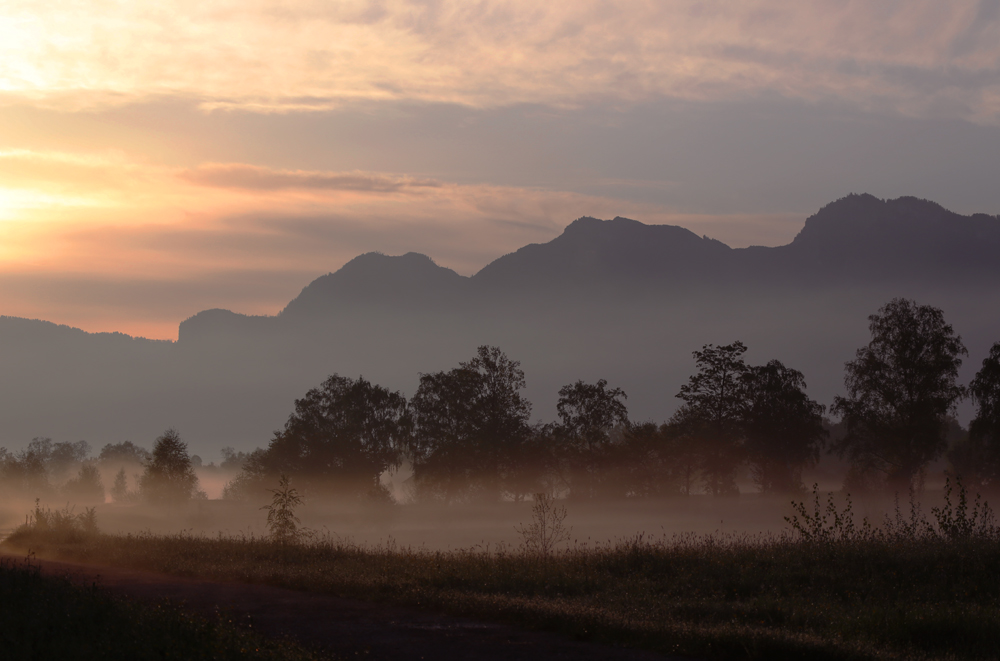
x=411 y=280
x=617 y=253
x=860 y=239
x=606 y=299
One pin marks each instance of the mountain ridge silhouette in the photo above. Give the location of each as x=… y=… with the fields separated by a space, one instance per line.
x=614 y=299
x=855 y=239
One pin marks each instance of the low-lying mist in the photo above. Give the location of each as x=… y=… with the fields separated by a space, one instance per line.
x=454 y=526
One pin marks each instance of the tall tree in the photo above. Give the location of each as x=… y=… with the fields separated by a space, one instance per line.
x=590 y=413
x=977 y=459
x=682 y=436
x=653 y=463
x=169 y=476
x=471 y=431
x=341 y=437
x=713 y=413
x=901 y=389
x=86 y=487
x=783 y=427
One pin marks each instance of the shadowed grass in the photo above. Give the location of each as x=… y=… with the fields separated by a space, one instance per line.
x=50 y=618
x=774 y=597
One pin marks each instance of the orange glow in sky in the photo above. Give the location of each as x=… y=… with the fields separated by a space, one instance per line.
x=153 y=160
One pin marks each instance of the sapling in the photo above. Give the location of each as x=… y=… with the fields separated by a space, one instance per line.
x=547 y=528
x=281 y=520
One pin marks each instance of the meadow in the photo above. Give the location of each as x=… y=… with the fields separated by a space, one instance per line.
x=45 y=617
x=914 y=587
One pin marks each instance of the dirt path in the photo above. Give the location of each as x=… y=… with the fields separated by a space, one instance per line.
x=347 y=627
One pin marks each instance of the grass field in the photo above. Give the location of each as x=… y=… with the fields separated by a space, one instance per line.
x=49 y=618
x=829 y=591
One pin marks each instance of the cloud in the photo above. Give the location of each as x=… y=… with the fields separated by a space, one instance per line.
x=252 y=177
x=917 y=58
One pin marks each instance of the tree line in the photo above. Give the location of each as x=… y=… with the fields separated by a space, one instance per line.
x=47 y=469
x=467 y=432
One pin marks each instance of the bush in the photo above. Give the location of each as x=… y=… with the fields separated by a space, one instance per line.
x=952 y=521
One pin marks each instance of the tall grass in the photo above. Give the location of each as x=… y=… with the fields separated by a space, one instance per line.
x=50 y=618
x=825 y=590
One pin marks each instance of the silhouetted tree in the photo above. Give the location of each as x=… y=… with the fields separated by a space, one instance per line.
x=120 y=493
x=590 y=413
x=56 y=460
x=341 y=437
x=471 y=428
x=782 y=427
x=124 y=453
x=537 y=469
x=900 y=391
x=977 y=458
x=169 y=477
x=64 y=456
x=86 y=487
x=26 y=472
x=682 y=435
x=649 y=464
x=233 y=460
x=713 y=414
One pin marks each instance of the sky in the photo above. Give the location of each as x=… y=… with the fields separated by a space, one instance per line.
x=161 y=158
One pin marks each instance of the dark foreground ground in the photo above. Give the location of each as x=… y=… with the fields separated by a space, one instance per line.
x=345 y=627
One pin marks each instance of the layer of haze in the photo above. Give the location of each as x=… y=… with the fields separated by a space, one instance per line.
x=156 y=161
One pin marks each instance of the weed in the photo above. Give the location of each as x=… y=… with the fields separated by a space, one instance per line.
x=827 y=589
x=281 y=520
x=826 y=524
x=952 y=521
x=957 y=522
x=547 y=528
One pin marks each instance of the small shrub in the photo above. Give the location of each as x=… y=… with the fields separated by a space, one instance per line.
x=826 y=523
x=281 y=520
x=952 y=521
x=957 y=522
x=547 y=528
x=50 y=526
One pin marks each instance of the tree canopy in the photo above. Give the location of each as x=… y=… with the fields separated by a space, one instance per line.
x=901 y=388
x=169 y=476
x=977 y=459
x=735 y=413
x=471 y=431
x=589 y=414
x=342 y=436
x=713 y=412
x=783 y=427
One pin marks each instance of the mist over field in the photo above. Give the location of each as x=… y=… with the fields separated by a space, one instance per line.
x=438 y=329
x=615 y=300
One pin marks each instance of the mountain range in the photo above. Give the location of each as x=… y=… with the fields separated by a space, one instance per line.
x=614 y=299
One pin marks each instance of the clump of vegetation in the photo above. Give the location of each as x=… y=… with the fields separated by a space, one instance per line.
x=547 y=528
x=951 y=522
x=50 y=618
x=56 y=527
x=86 y=486
x=282 y=523
x=169 y=476
x=911 y=588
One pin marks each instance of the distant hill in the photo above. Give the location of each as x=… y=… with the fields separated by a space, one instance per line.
x=614 y=299
x=861 y=238
x=618 y=252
